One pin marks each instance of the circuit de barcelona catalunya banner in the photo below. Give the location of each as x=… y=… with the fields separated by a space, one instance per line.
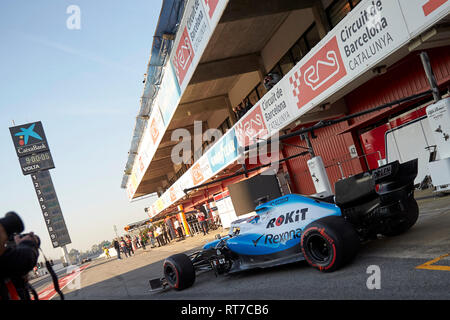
x=370 y=33
x=199 y=21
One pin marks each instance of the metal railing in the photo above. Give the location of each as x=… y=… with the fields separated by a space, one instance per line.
x=344 y=164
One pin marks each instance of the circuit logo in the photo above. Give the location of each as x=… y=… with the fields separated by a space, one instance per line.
x=26 y=133
x=183 y=56
x=432 y=5
x=293 y=216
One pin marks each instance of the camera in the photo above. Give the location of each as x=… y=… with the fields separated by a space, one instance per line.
x=12 y=223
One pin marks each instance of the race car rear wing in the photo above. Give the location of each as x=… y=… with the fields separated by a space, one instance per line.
x=361 y=187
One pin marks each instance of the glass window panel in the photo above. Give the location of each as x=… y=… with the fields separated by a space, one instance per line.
x=277 y=69
x=355 y=2
x=286 y=63
x=299 y=50
x=253 y=97
x=312 y=36
x=337 y=11
x=261 y=90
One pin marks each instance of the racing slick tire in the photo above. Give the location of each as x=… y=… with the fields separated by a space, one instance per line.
x=411 y=215
x=329 y=243
x=179 y=271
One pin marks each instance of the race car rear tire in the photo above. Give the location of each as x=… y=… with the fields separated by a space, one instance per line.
x=329 y=243
x=411 y=213
x=179 y=271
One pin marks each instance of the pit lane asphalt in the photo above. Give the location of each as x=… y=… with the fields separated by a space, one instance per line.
x=397 y=257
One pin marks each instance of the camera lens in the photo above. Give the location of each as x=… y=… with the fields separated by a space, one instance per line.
x=12 y=223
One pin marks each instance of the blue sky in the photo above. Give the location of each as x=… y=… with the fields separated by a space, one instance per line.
x=84 y=85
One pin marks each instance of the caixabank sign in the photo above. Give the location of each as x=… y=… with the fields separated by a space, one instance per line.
x=32 y=147
x=29 y=138
x=35 y=159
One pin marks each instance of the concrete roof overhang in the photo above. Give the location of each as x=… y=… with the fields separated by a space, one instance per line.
x=234 y=49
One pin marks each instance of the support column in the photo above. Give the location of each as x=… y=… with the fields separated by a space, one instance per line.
x=320 y=18
x=231 y=113
x=182 y=217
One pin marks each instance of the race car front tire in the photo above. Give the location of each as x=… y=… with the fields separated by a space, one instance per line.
x=179 y=271
x=329 y=243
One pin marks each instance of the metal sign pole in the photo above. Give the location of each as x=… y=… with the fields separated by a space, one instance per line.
x=430 y=75
x=66 y=255
x=35 y=160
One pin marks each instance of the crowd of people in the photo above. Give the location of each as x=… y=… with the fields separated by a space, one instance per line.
x=242 y=108
x=164 y=232
x=127 y=246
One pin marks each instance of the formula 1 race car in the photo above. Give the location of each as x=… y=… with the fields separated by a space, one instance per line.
x=293 y=227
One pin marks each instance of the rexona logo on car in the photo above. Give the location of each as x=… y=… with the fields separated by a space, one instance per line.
x=183 y=57
x=283 y=236
x=251 y=128
x=293 y=216
x=323 y=70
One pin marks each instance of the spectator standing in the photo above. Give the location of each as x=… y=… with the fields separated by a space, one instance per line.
x=142 y=241
x=271 y=79
x=201 y=217
x=171 y=229
x=129 y=244
x=236 y=113
x=117 y=247
x=159 y=236
x=124 y=247
x=240 y=110
x=136 y=243
x=151 y=236
x=178 y=228
x=248 y=105
x=165 y=233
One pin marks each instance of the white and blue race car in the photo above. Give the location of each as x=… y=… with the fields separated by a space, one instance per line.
x=294 y=227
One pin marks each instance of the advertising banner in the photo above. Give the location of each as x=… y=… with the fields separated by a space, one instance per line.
x=278 y=107
x=29 y=138
x=199 y=20
x=367 y=35
x=150 y=140
x=194 y=37
x=421 y=14
x=200 y=171
x=251 y=128
x=319 y=73
x=225 y=209
x=439 y=118
x=223 y=152
x=169 y=94
x=159 y=205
